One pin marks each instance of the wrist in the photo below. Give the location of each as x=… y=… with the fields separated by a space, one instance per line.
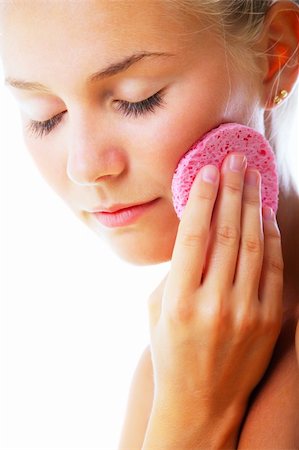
x=184 y=428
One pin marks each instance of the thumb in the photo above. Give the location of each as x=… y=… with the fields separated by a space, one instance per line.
x=154 y=303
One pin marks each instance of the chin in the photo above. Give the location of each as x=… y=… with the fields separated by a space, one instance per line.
x=147 y=258
x=144 y=251
x=140 y=246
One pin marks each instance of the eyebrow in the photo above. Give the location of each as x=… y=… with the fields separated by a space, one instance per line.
x=109 y=71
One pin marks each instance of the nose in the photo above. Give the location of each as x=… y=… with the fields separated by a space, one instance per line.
x=94 y=152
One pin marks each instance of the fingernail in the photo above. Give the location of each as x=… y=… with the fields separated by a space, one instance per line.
x=268 y=213
x=236 y=162
x=209 y=174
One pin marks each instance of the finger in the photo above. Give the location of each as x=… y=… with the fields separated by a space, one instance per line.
x=190 y=246
x=250 y=258
x=271 y=283
x=225 y=232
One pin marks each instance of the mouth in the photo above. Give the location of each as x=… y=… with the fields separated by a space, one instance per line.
x=122 y=215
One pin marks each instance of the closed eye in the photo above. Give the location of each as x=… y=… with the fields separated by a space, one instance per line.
x=137 y=109
x=43 y=128
x=40 y=129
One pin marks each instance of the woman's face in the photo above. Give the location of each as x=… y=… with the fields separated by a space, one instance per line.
x=99 y=152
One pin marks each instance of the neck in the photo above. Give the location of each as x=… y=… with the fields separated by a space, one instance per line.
x=288 y=222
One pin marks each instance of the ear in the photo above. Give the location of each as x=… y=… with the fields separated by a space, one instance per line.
x=280 y=42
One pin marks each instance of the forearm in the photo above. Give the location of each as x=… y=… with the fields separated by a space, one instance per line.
x=185 y=430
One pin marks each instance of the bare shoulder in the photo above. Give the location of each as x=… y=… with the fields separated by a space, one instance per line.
x=139 y=404
x=272 y=421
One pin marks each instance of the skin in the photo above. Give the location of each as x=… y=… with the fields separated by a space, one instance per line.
x=127 y=163
x=97 y=156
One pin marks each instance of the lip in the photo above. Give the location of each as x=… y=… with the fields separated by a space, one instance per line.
x=119 y=216
x=115 y=208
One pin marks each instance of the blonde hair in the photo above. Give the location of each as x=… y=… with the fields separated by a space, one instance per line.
x=240 y=24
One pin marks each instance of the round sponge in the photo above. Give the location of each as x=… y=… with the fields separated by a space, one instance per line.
x=213 y=147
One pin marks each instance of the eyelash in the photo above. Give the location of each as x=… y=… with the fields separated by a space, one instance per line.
x=150 y=104
x=140 y=108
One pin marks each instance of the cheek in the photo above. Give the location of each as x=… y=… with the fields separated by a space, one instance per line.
x=50 y=162
x=191 y=112
x=172 y=133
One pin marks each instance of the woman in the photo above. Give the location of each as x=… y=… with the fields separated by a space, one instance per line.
x=112 y=94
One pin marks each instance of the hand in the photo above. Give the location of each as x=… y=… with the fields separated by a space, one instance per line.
x=216 y=317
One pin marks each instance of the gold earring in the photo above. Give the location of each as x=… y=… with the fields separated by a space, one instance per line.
x=283 y=94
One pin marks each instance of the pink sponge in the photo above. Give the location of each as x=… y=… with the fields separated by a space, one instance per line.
x=213 y=147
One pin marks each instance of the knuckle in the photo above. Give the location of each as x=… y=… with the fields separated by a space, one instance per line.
x=233 y=188
x=227 y=234
x=192 y=239
x=252 y=244
x=252 y=200
x=181 y=312
x=272 y=325
x=275 y=266
x=273 y=233
x=248 y=323
x=223 y=317
x=217 y=313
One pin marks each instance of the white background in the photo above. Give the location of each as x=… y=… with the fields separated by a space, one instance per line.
x=73 y=315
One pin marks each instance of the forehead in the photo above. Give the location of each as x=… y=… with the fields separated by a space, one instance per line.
x=65 y=32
